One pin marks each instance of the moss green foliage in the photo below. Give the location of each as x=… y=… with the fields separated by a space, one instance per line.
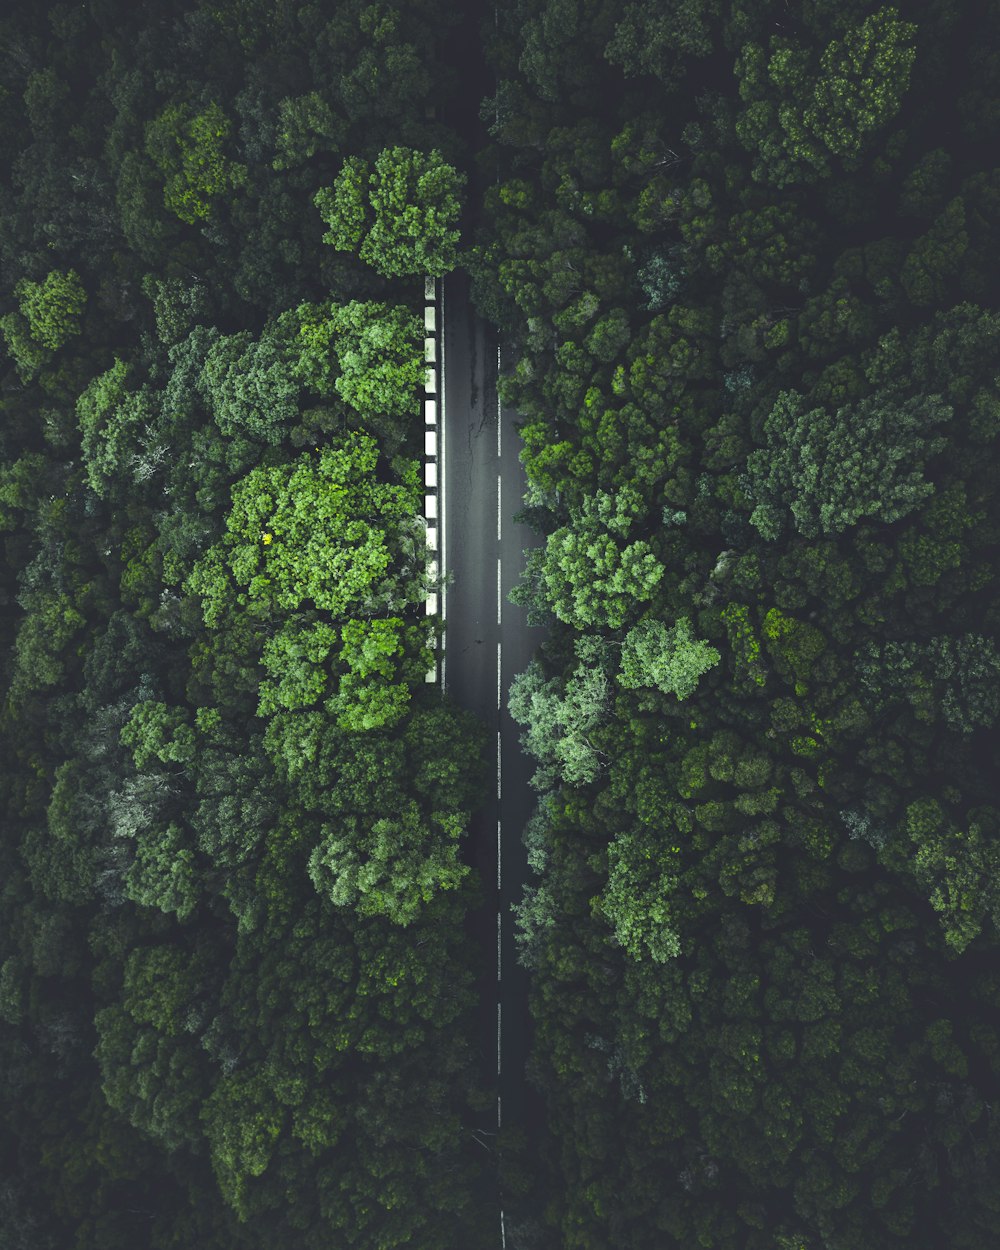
x=743 y=258
x=189 y=150
x=400 y=214
x=800 y=113
x=829 y=470
x=48 y=315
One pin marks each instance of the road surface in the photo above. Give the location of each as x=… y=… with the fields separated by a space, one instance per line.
x=488 y=641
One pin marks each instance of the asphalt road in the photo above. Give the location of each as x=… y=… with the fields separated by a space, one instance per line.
x=487 y=642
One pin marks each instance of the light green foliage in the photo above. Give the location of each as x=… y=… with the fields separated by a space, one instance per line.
x=560 y=716
x=119 y=431
x=415 y=198
x=958 y=868
x=591 y=574
x=380 y=357
x=247 y=384
x=799 y=114
x=384 y=658
x=320 y=531
x=392 y=869
x=344 y=206
x=296 y=661
x=825 y=471
x=636 y=900
x=188 y=148
x=164 y=873
x=310 y=333
x=53 y=307
x=306 y=125
x=400 y=216
x=156 y=731
x=49 y=315
x=670 y=659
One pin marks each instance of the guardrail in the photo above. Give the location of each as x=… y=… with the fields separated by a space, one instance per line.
x=433 y=456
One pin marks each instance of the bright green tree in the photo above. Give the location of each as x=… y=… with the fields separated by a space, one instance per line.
x=380 y=357
x=318 y=532
x=589 y=571
x=670 y=659
x=401 y=216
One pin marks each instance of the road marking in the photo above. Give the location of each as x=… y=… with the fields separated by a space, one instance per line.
x=498 y=948
x=499 y=1121
x=498 y=858
x=498 y=1046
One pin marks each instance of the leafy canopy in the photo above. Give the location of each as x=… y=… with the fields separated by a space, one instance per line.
x=400 y=216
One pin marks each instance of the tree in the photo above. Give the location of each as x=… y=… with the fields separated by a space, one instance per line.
x=188 y=149
x=379 y=357
x=247 y=386
x=954 y=678
x=52 y=308
x=672 y=660
x=560 y=716
x=119 y=431
x=828 y=470
x=306 y=125
x=318 y=532
x=384 y=660
x=48 y=317
x=798 y=114
x=957 y=867
x=394 y=868
x=649 y=41
x=636 y=900
x=400 y=216
x=589 y=572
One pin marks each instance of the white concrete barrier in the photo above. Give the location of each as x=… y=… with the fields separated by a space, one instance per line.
x=430 y=457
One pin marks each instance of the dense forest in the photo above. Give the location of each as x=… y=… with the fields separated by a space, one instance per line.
x=236 y=994
x=742 y=259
